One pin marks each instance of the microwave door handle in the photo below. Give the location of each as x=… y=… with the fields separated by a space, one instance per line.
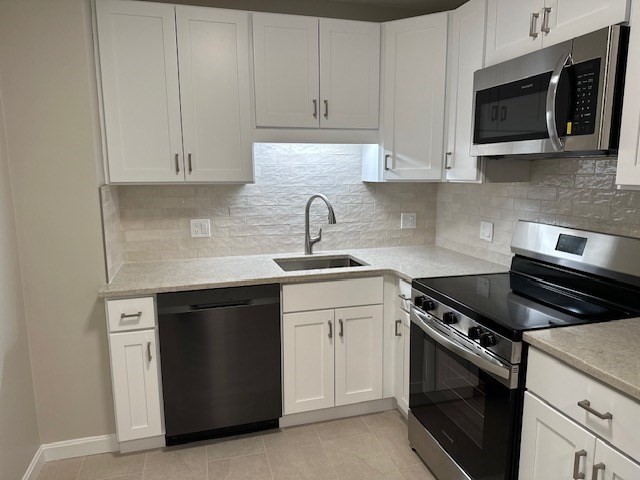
x=552 y=95
x=491 y=366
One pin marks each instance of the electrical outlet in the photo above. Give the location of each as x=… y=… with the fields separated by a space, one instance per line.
x=407 y=220
x=200 y=228
x=486 y=231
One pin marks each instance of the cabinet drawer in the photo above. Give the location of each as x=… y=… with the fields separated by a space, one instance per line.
x=404 y=298
x=131 y=314
x=563 y=387
x=337 y=294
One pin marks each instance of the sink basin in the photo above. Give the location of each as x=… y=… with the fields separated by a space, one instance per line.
x=315 y=263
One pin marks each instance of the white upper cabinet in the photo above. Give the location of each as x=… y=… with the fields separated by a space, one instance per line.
x=358 y=363
x=465 y=56
x=513 y=29
x=316 y=73
x=140 y=91
x=176 y=94
x=629 y=151
x=349 y=74
x=286 y=67
x=415 y=60
x=518 y=27
x=213 y=46
x=567 y=19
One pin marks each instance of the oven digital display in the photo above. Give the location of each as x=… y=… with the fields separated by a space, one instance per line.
x=571 y=244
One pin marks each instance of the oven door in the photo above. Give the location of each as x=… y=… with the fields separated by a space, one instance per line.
x=470 y=412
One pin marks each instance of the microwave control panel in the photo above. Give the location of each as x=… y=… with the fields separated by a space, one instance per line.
x=586 y=76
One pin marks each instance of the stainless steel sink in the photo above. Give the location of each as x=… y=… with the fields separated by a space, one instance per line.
x=315 y=263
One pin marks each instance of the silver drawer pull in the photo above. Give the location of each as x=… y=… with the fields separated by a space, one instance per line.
x=149 y=351
x=398 y=322
x=596 y=469
x=532 y=25
x=586 y=404
x=577 y=474
x=130 y=315
x=341 y=328
x=404 y=297
x=330 y=329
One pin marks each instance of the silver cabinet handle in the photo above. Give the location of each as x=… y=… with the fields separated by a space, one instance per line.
x=586 y=404
x=330 y=329
x=315 y=108
x=149 y=351
x=398 y=322
x=532 y=25
x=341 y=328
x=545 y=20
x=386 y=162
x=577 y=474
x=190 y=164
x=596 y=469
x=447 y=166
x=124 y=316
x=177 y=164
x=404 y=297
x=326 y=109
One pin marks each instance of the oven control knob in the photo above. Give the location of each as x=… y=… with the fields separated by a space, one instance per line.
x=475 y=333
x=488 y=340
x=428 y=305
x=449 y=318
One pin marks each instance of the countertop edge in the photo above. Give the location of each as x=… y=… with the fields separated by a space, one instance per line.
x=584 y=367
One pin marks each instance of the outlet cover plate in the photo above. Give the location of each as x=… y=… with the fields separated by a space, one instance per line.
x=200 y=228
x=407 y=220
x=486 y=231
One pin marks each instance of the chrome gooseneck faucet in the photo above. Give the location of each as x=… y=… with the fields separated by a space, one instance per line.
x=308 y=239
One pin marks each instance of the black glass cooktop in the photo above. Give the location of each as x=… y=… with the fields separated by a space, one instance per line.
x=511 y=303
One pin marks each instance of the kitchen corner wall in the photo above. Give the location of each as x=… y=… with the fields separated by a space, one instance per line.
x=577 y=193
x=268 y=216
x=112 y=230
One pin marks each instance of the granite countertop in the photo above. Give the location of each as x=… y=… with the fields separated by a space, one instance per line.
x=609 y=351
x=181 y=275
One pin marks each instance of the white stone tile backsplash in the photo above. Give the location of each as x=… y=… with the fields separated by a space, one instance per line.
x=578 y=193
x=268 y=216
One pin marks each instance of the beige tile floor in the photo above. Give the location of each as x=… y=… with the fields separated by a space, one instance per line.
x=373 y=447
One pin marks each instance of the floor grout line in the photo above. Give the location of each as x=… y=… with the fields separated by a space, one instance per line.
x=264 y=445
x=80 y=469
x=144 y=464
x=325 y=453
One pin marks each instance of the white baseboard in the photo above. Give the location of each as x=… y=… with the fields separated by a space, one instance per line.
x=334 y=413
x=80 y=447
x=33 y=470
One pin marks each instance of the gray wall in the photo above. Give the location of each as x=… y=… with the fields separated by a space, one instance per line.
x=49 y=104
x=579 y=193
x=18 y=424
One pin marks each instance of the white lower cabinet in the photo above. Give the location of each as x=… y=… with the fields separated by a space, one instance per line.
x=560 y=441
x=136 y=385
x=358 y=356
x=552 y=444
x=332 y=351
x=308 y=357
x=401 y=380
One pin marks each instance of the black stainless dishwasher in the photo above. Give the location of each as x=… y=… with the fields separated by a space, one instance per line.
x=220 y=358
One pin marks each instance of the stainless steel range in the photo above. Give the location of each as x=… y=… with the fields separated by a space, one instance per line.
x=467 y=357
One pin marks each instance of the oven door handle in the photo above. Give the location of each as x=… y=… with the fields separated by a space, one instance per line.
x=552 y=95
x=493 y=366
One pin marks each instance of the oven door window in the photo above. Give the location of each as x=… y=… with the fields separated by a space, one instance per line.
x=468 y=411
x=517 y=111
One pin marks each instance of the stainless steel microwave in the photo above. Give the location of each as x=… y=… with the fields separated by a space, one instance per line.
x=563 y=99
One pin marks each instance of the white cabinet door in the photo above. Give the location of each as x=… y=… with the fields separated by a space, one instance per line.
x=401 y=378
x=551 y=443
x=404 y=400
x=136 y=385
x=612 y=465
x=414 y=89
x=308 y=359
x=465 y=56
x=358 y=354
x=349 y=73
x=567 y=19
x=513 y=29
x=286 y=70
x=213 y=46
x=139 y=70
x=629 y=151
